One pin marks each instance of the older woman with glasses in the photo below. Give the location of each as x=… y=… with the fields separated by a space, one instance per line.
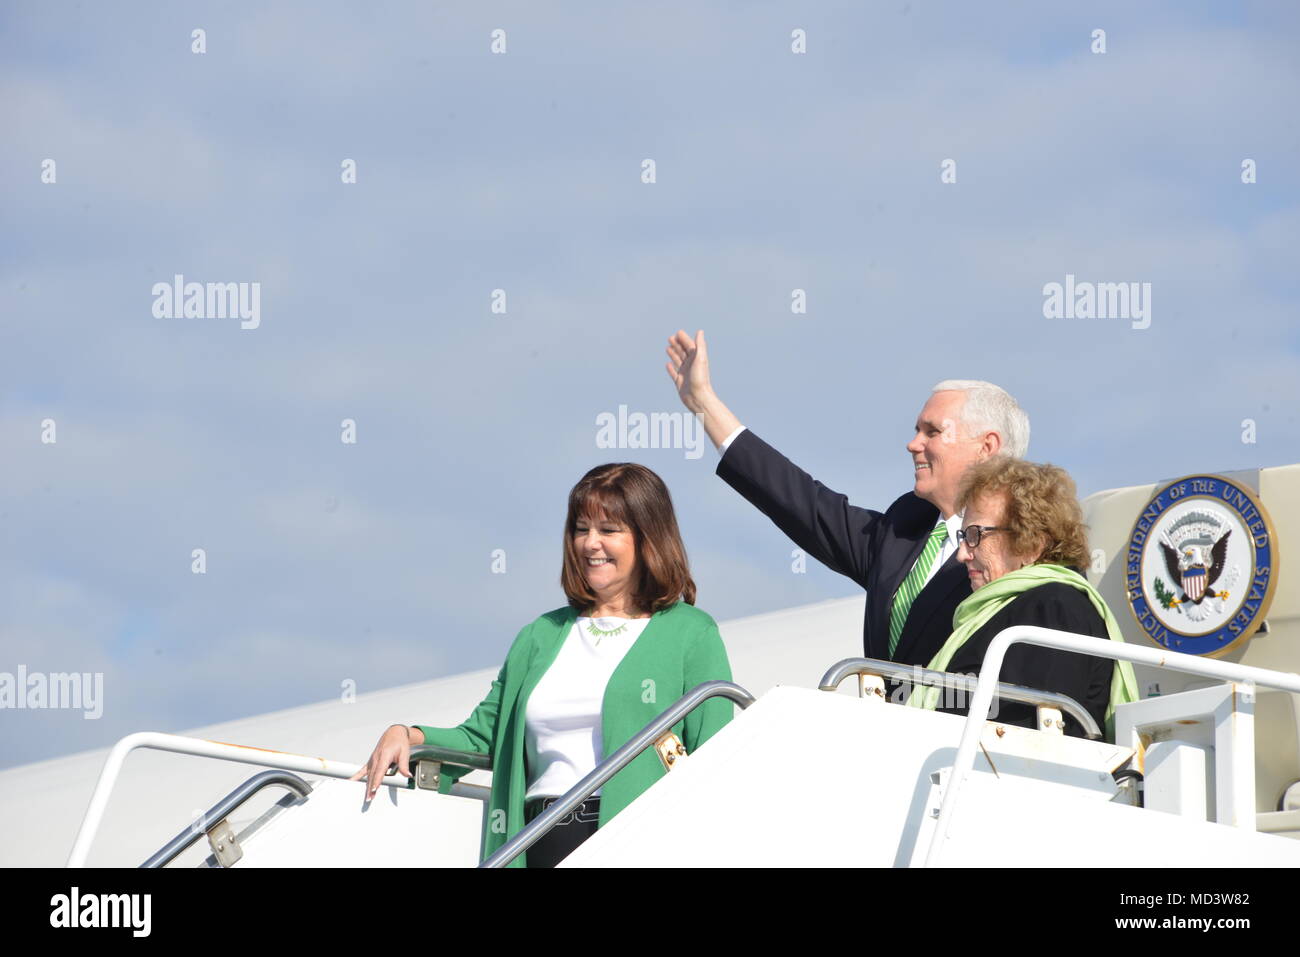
x=1025 y=546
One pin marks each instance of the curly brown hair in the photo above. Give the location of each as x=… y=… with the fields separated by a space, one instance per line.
x=636 y=497
x=1042 y=508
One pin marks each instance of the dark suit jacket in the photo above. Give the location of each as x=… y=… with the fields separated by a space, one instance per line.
x=1084 y=678
x=875 y=549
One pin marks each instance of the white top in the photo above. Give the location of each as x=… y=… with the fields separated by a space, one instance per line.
x=562 y=738
x=946 y=551
x=949 y=546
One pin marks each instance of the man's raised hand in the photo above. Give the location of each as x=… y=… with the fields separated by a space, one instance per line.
x=689 y=368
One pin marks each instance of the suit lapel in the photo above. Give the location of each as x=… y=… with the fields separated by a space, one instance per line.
x=897 y=556
x=899 y=570
x=913 y=532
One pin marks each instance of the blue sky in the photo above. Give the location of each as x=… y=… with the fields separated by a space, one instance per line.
x=521 y=171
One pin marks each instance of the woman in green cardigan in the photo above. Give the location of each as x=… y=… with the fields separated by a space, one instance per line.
x=581 y=680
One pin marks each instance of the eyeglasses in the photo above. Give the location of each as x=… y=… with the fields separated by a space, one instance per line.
x=972 y=534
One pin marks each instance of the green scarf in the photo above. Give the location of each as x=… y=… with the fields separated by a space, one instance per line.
x=983 y=603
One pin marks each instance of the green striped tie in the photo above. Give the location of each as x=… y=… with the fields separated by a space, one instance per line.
x=913 y=584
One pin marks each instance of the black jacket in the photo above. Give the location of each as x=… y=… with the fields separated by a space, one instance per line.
x=877 y=550
x=1084 y=678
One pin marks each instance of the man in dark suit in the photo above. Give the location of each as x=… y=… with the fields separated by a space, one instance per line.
x=905 y=557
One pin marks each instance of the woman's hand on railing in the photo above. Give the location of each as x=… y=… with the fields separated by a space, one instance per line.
x=394 y=748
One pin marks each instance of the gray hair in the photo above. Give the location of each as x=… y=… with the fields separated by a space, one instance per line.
x=991 y=409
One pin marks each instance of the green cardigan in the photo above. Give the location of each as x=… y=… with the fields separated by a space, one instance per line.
x=679 y=649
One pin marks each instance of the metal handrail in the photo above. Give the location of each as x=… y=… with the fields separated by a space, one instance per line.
x=463 y=759
x=917 y=675
x=222 y=751
x=647 y=736
x=1085 y=645
x=219 y=811
x=474 y=760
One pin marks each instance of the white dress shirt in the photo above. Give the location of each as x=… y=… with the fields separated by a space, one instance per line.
x=949 y=546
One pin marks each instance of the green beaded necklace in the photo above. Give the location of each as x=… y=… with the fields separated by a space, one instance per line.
x=600 y=633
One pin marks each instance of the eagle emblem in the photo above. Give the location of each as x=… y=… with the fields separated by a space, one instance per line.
x=1199 y=565
x=1193 y=572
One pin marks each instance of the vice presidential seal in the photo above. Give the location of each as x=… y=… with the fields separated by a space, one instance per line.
x=1200 y=566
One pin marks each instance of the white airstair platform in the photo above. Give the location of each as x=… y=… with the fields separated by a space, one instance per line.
x=399 y=828
x=803 y=778
x=808 y=779
x=800 y=777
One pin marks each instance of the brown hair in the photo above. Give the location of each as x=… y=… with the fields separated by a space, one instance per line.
x=1042 y=508
x=636 y=497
